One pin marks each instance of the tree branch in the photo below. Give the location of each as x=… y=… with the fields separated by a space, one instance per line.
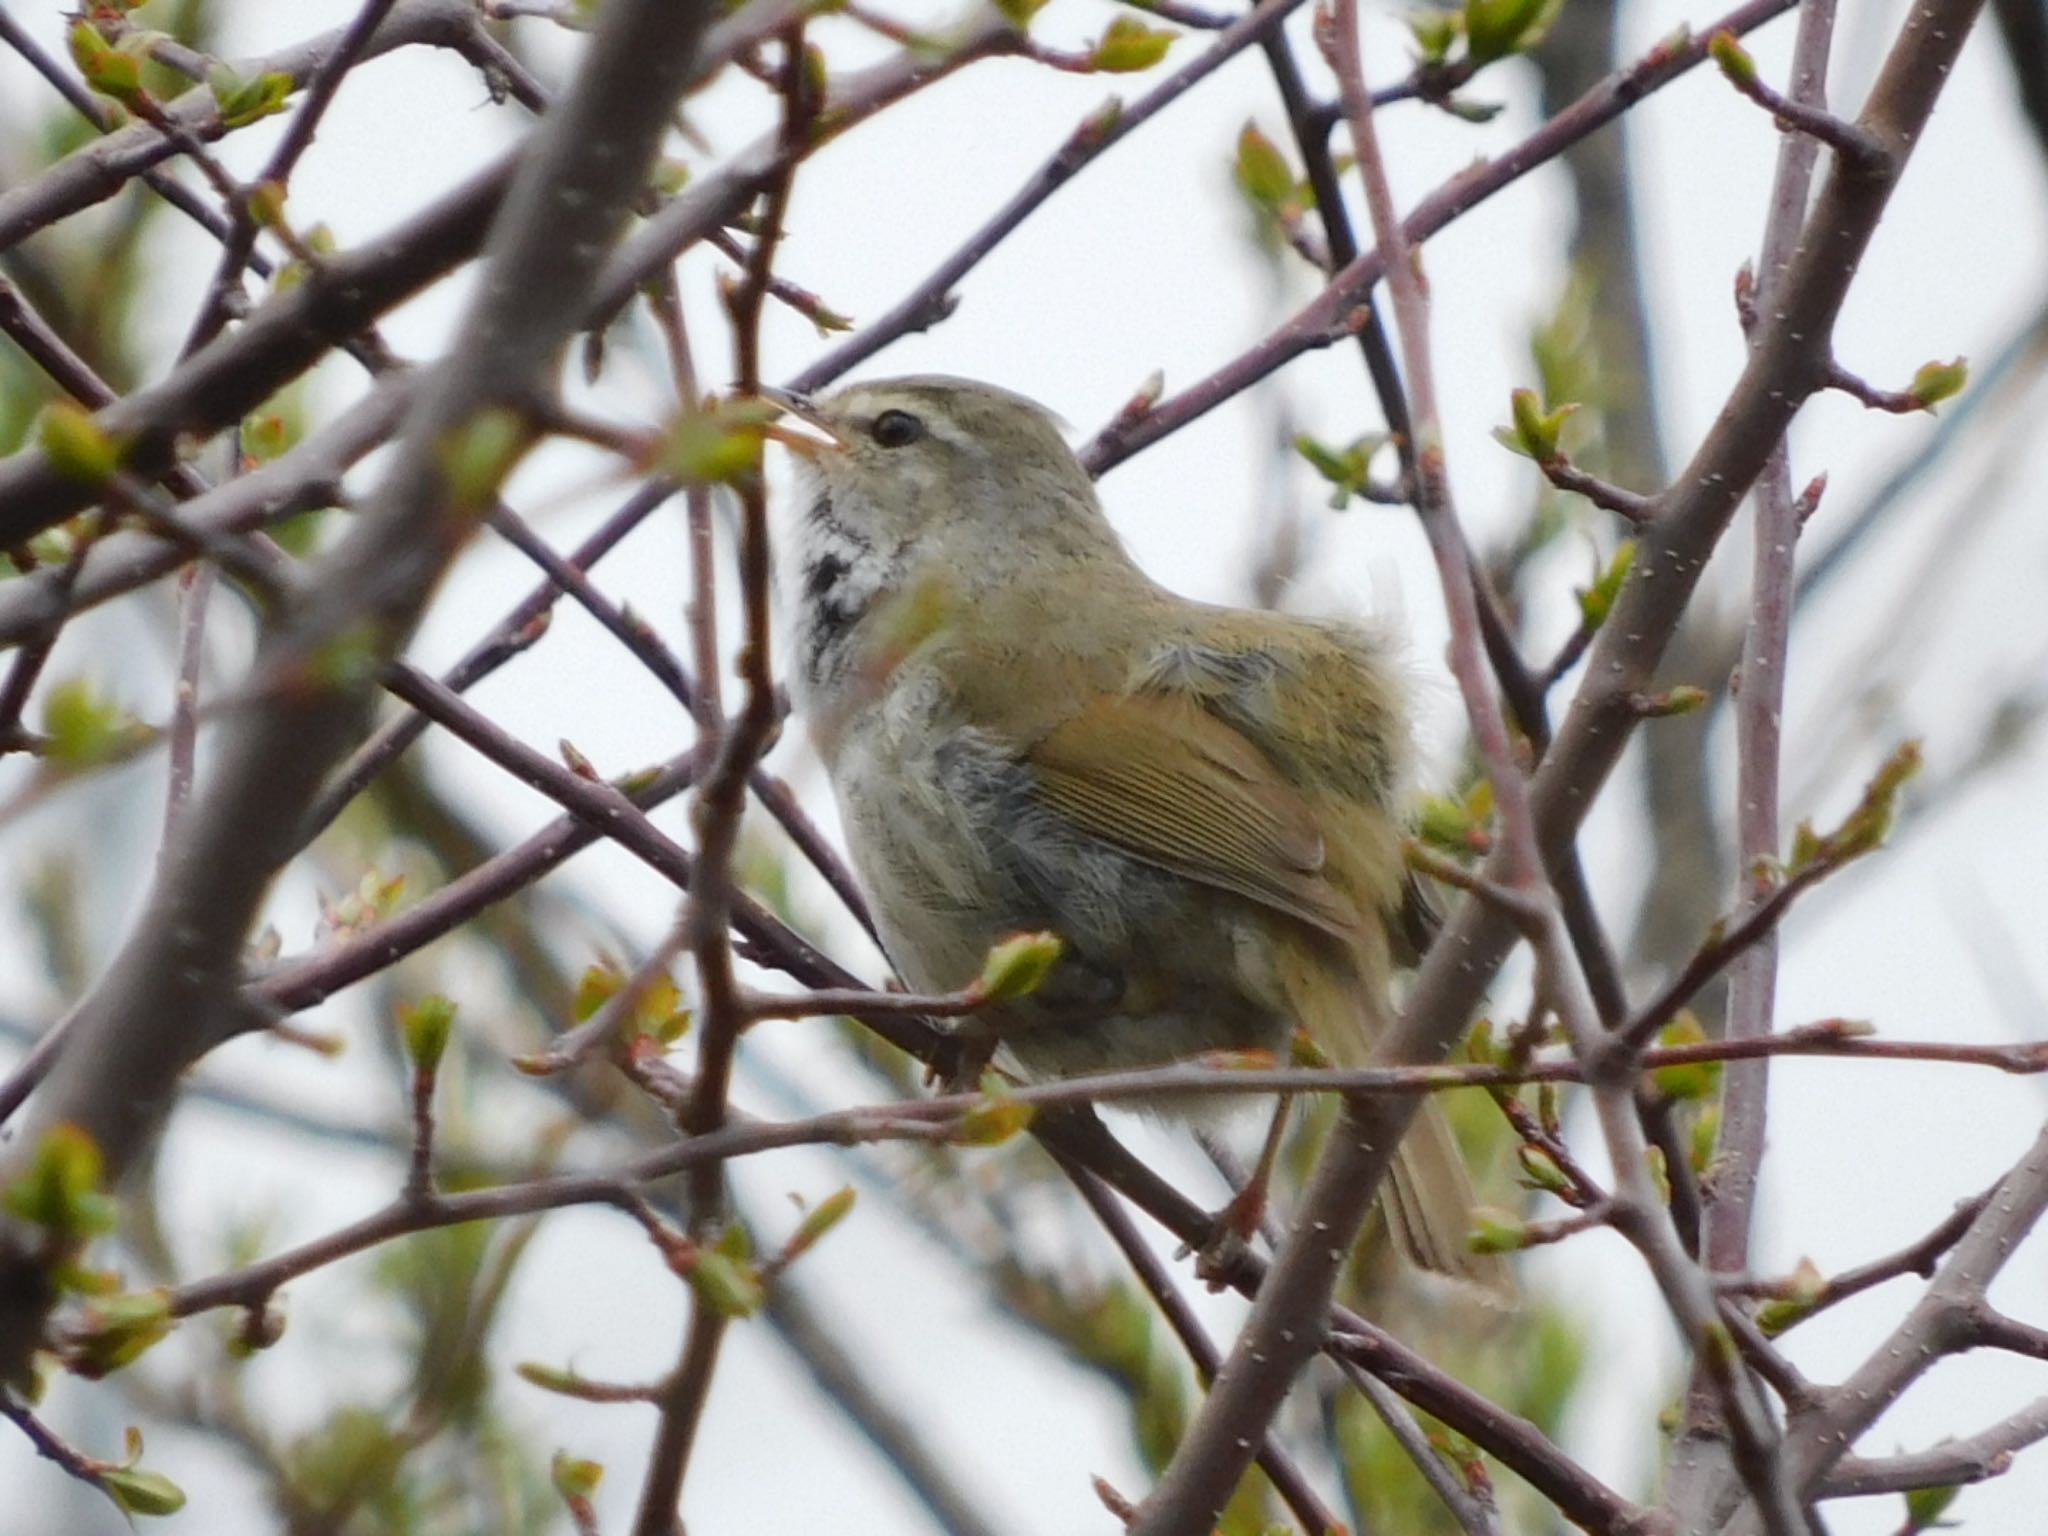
x=172 y=990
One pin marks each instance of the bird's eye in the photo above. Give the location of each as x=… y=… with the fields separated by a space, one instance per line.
x=895 y=429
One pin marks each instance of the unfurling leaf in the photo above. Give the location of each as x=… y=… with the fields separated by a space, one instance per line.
x=1926 y=1506
x=993 y=1121
x=575 y=1478
x=1129 y=45
x=1496 y=28
x=1706 y=1138
x=112 y=71
x=1018 y=966
x=729 y=1286
x=1799 y=1294
x=1020 y=12
x=1435 y=32
x=241 y=102
x=820 y=1219
x=1261 y=171
x=1597 y=601
x=1936 y=382
x=60 y=1189
x=76 y=446
x=1535 y=431
x=142 y=1493
x=1864 y=828
x=116 y=1331
x=83 y=726
x=425 y=1027
x=718 y=445
x=1347 y=469
x=1542 y=1170
x=1496 y=1231
x=477 y=456
x=1734 y=59
x=1689 y=1080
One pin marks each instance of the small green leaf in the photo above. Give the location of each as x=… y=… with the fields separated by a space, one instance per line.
x=1706 y=1138
x=117 y=1331
x=1597 y=601
x=1496 y=1231
x=1535 y=431
x=719 y=445
x=75 y=446
x=549 y=1378
x=109 y=70
x=477 y=456
x=1482 y=1046
x=1020 y=12
x=266 y=436
x=595 y=987
x=425 y=1026
x=142 y=1493
x=1457 y=824
x=827 y=321
x=1435 y=34
x=1466 y=110
x=993 y=1121
x=819 y=1220
x=1936 y=382
x=1018 y=966
x=1129 y=45
x=1542 y=1169
x=60 y=1189
x=729 y=1286
x=84 y=727
x=670 y=176
x=350 y=660
x=658 y=1013
x=1683 y=699
x=1799 y=1293
x=84 y=1280
x=265 y=202
x=1261 y=171
x=1926 y=1506
x=1734 y=59
x=1774 y=1317
x=241 y=102
x=1865 y=828
x=575 y=1478
x=1347 y=469
x=1496 y=28
x=1691 y=1080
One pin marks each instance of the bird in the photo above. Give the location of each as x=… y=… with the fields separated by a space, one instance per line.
x=1025 y=732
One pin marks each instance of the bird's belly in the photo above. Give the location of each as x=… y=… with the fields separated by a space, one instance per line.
x=928 y=875
x=1156 y=969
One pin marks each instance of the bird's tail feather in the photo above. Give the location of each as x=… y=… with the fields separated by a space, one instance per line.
x=1427 y=1205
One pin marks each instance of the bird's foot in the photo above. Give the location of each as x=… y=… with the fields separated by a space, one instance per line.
x=1229 y=1243
x=962 y=1059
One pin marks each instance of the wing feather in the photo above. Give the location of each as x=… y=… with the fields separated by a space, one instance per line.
x=1165 y=781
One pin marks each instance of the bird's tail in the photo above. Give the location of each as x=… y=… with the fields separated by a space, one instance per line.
x=1426 y=1201
x=1427 y=1205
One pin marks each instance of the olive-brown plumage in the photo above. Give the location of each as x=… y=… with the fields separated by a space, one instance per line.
x=1025 y=731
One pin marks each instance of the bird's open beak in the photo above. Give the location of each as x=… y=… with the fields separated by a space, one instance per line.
x=803 y=429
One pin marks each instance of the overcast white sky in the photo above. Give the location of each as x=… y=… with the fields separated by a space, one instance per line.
x=1141 y=265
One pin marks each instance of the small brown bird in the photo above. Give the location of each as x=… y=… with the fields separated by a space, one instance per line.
x=1026 y=732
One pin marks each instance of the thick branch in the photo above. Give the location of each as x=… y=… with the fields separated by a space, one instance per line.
x=173 y=989
x=98 y=170
x=1945 y=1320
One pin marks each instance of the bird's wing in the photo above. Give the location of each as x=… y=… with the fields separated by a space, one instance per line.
x=1163 y=780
